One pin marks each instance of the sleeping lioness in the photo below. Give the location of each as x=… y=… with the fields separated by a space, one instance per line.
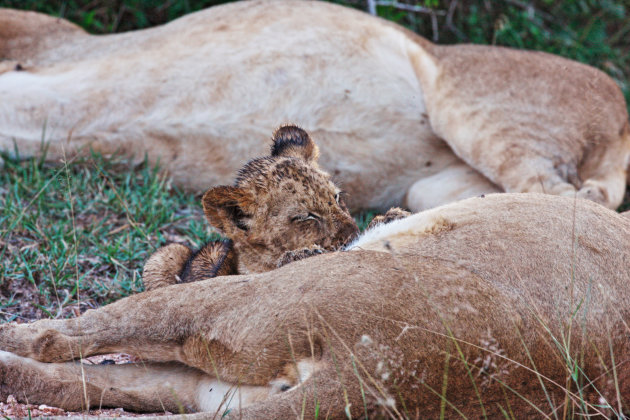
x=282 y=207
x=399 y=120
x=512 y=303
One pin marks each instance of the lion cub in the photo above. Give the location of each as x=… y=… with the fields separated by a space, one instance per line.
x=282 y=207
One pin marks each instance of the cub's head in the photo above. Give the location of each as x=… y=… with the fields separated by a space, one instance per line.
x=280 y=203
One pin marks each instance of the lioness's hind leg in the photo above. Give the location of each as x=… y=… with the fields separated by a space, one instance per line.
x=518 y=163
x=165 y=265
x=139 y=387
x=157 y=387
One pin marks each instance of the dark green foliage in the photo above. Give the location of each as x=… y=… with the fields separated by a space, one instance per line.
x=596 y=32
x=102 y=16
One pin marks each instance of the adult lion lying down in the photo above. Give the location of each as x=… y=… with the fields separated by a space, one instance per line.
x=399 y=120
x=504 y=304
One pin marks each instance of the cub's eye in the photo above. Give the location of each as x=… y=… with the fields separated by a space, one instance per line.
x=313 y=216
x=305 y=217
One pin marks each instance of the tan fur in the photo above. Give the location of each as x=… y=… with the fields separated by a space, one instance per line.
x=400 y=121
x=282 y=208
x=402 y=325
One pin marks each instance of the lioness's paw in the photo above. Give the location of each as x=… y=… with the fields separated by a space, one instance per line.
x=299 y=254
x=392 y=214
x=594 y=191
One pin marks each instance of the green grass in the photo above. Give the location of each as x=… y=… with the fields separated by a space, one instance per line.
x=104 y=16
x=80 y=232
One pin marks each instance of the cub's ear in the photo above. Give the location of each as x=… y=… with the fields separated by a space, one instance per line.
x=226 y=208
x=291 y=140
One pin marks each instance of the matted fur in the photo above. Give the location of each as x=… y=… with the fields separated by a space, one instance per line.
x=399 y=121
x=519 y=286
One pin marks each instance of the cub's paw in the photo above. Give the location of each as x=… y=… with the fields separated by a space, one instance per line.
x=164 y=266
x=299 y=254
x=392 y=214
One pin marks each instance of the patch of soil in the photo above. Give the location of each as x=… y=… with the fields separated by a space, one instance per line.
x=13 y=409
x=24 y=303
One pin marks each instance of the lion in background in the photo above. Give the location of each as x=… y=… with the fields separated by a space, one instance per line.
x=399 y=120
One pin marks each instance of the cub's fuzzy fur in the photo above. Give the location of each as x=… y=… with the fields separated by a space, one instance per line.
x=282 y=207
